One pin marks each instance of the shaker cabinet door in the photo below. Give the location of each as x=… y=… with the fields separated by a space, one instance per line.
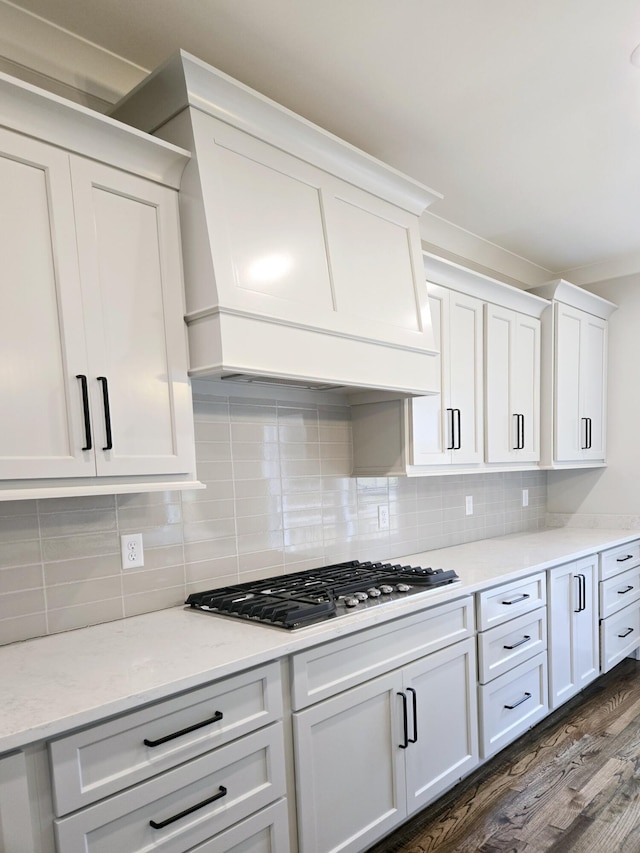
x=42 y=342
x=129 y=264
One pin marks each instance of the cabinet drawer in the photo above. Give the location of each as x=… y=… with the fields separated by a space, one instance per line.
x=616 y=560
x=323 y=671
x=505 y=602
x=512 y=704
x=619 y=636
x=505 y=646
x=265 y=832
x=619 y=591
x=103 y=759
x=195 y=801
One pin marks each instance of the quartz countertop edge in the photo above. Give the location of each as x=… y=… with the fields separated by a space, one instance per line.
x=57 y=683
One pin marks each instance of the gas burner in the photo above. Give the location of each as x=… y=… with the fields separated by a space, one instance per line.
x=304 y=598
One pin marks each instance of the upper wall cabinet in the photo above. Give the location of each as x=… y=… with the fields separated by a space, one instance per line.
x=487 y=415
x=302 y=254
x=94 y=385
x=574 y=411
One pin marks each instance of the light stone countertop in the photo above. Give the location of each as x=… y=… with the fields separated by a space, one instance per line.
x=53 y=684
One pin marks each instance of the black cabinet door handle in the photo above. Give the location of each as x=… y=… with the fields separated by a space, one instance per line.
x=516 y=446
x=405 y=721
x=216 y=718
x=522 y=434
x=585 y=446
x=414 y=739
x=625 y=591
x=517 y=598
x=519 y=702
x=222 y=791
x=107 y=412
x=589 y=442
x=85 y=410
x=451 y=446
x=626 y=633
x=521 y=642
x=459 y=420
x=582 y=593
x=624 y=559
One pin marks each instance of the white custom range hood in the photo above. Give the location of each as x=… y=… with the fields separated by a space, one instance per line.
x=302 y=253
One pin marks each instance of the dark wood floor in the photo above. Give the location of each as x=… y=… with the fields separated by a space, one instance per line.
x=571 y=785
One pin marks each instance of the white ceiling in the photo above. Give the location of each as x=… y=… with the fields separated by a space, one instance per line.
x=525 y=114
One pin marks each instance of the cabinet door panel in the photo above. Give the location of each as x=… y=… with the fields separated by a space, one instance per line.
x=129 y=256
x=430 y=428
x=594 y=379
x=466 y=376
x=446 y=722
x=526 y=385
x=41 y=429
x=349 y=768
x=500 y=414
x=569 y=437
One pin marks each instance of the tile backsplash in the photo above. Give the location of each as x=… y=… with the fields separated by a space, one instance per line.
x=279 y=498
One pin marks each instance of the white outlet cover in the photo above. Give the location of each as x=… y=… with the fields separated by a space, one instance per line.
x=132 y=550
x=468 y=503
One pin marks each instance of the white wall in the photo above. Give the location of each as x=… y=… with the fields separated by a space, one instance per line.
x=614 y=491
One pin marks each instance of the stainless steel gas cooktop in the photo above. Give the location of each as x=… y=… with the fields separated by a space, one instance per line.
x=304 y=598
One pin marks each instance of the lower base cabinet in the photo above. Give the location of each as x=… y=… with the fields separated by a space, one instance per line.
x=369 y=757
x=573 y=628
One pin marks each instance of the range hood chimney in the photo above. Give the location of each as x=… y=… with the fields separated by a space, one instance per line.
x=302 y=254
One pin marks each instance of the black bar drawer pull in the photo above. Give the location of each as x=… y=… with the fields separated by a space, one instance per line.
x=516 y=446
x=405 y=722
x=626 y=633
x=519 y=702
x=625 y=591
x=216 y=718
x=517 y=598
x=525 y=639
x=85 y=411
x=451 y=432
x=222 y=791
x=624 y=559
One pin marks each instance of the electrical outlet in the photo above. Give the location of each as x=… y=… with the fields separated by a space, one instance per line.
x=525 y=497
x=132 y=551
x=383 y=517
x=468 y=504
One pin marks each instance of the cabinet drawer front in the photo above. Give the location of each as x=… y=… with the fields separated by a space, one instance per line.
x=323 y=671
x=505 y=602
x=619 y=636
x=619 y=591
x=224 y=786
x=617 y=560
x=505 y=646
x=103 y=759
x=265 y=832
x=512 y=704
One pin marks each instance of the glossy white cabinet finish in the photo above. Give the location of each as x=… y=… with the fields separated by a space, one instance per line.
x=507 y=645
x=97 y=393
x=302 y=254
x=574 y=649
x=574 y=376
x=512 y=377
x=499 y=604
x=410 y=734
x=448 y=428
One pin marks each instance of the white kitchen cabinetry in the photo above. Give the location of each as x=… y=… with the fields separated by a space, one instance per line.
x=369 y=756
x=574 y=649
x=619 y=595
x=178 y=774
x=574 y=385
x=512 y=347
x=487 y=414
x=512 y=660
x=302 y=254
x=448 y=428
x=91 y=328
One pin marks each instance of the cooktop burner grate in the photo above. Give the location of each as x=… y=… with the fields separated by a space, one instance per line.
x=304 y=598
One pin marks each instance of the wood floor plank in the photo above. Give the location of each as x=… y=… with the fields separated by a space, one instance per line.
x=571 y=785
